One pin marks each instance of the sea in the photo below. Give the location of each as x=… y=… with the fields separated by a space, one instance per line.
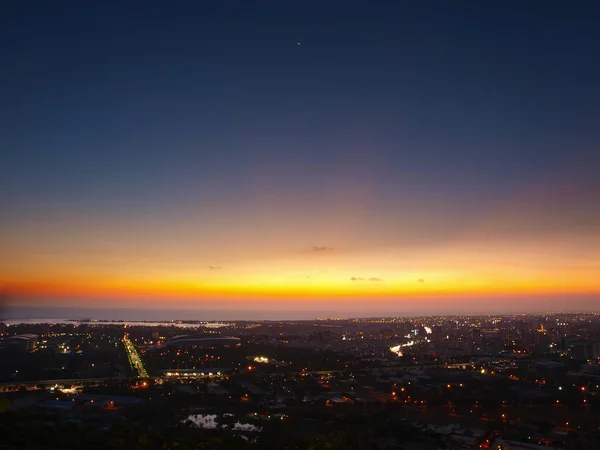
x=57 y=315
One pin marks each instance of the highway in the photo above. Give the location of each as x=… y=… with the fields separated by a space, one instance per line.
x=32 y=385
x=134 y=358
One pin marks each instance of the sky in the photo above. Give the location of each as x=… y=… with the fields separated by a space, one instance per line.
x=372 y=157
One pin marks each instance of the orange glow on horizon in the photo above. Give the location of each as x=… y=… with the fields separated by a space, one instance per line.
x=248 y=257
x=341 y=289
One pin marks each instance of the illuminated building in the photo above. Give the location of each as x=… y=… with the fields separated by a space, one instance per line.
x=22 y=342
x=190 y=341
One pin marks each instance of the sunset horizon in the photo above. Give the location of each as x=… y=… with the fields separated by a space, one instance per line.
x=275 y=225
x=231 y=160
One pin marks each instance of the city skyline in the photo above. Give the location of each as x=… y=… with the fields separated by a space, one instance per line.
x=301 y=157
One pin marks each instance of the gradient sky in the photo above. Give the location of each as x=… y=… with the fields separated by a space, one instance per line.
x=341 y=156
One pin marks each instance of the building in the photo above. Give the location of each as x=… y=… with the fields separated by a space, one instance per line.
x=202 y=342
x=542 y=341
x=504 y=444
x=22 y=342
x=194 y=373
x=590 y=369
x=386 y=333
x=582 y=348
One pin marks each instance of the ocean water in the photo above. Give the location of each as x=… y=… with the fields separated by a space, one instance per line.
x=66 y=314
x=368 y=309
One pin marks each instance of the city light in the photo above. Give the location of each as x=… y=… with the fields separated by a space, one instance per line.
x=261 y=359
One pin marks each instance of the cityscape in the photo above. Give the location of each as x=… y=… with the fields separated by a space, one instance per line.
x=523 y=381
x=300 y=225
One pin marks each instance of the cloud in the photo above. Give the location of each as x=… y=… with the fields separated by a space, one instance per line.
x=214 y=267
x=421 y=280
x=356 y=279
x=318 y=248
x=375 y=279
x=365 y=279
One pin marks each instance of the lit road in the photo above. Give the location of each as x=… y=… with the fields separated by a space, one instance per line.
x=134 y=358
x=131 y=350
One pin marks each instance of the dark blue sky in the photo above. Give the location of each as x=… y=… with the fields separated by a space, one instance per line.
x=105 y=99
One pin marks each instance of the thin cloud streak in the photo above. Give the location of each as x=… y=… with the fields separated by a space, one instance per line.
x=317 y=248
